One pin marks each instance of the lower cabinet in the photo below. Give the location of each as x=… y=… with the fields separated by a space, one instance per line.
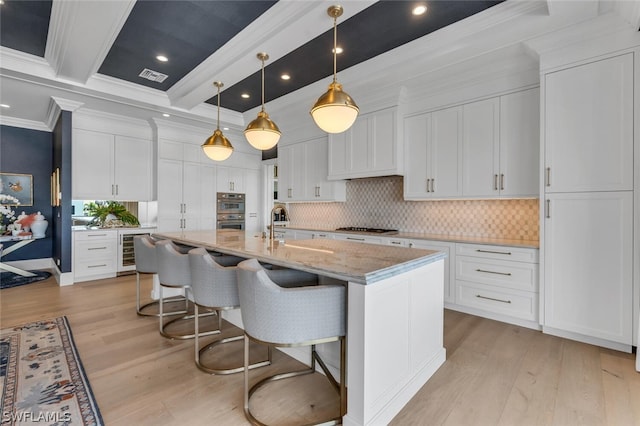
x=449 y=249
x=95 y=254
x=498 y=282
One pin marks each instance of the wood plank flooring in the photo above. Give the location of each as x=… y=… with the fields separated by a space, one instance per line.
x=495 y=373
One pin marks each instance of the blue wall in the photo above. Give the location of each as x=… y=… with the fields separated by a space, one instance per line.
x=62 y=214
x=29 y=151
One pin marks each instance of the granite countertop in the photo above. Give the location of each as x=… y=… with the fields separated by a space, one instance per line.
x=344 y=260
x=85 y=228
x=434 y=237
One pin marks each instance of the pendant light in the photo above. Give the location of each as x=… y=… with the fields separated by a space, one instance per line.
x=262 y=133
x=335 y=111
x=217 y=146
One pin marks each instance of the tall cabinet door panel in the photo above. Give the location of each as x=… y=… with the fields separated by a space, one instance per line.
x=132 y=168
x=191 y=195
x=480 y=148
x=92 y=165
x=588 y=257
x=416 y=134
x=444 y=154
x=589 y=126
x=520 y=143
x=169 y=195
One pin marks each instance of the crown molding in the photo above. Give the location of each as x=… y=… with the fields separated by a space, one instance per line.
x=56 y=106
x=24 y=124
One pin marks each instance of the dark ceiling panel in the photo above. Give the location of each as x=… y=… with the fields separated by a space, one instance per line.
x=24 y=25
x=187 y=32
x=381 y=27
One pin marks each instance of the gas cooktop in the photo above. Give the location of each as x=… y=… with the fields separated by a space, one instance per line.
x=367 y=230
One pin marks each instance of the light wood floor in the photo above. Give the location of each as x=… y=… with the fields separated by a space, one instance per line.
x=495 y=373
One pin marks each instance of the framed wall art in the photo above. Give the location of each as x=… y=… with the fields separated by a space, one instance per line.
x=18 y=186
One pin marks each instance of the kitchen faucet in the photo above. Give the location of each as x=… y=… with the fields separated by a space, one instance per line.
x=273 y=210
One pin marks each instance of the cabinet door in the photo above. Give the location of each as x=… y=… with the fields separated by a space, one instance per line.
x=285 y=172
x=444 y=156
x=480 y=148
x=207 y=197
x=318 y=187
x=589 y=126
x=92 y=165
x=191 y=206
x=229 y=179
x=520 y=143
x=359 y=153
x=448 y=248
x=338 y=161
x=588 y=255
x=169 y=195
x=132 y=166
x=383 y=154
x=416 y=134
x=253 y=195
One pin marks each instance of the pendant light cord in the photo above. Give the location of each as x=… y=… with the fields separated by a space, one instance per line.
x=335 y=47
x=262 y=59
x=218 y=125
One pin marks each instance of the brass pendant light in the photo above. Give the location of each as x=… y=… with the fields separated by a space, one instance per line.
x=217 y=146
x=262 y=133
x=335 y=111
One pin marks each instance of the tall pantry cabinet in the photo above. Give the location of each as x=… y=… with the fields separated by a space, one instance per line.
x=587 y=208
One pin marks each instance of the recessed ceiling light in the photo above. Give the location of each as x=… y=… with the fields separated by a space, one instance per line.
x=162 y=58
x=338 y=50
x=166 y=115
x=419 y=10
x=1 y=2
x=285 y=77
x=245 y=96
x=225 y=128
x=4 y=105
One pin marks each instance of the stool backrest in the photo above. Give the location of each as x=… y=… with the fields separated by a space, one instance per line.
x=288 y=316
x=144 y=250
x=173 y=266
x=213 y=285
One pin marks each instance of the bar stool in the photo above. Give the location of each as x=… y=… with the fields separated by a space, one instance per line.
x=214 y=284
x=290 y=317
x=174 y=271
x=144 y=248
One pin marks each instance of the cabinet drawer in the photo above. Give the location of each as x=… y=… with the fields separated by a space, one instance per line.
x=91 y=267
x=98 y=234
x=516 y=275
x=498 y=252
x=513 y=303
x=98 y=249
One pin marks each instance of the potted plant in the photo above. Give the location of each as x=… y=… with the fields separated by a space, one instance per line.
x=110 y=213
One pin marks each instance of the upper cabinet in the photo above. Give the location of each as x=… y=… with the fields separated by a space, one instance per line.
x=230 y=179
x=580 y=155
x=302 y=173
x=110 y=167
x=433 y=143
x=500 y=146
x=371 y=147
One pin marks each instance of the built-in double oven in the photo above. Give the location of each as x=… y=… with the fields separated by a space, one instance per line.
x=230 y=211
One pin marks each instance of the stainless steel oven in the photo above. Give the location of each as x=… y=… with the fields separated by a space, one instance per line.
x=230 y=211
x=230 y=203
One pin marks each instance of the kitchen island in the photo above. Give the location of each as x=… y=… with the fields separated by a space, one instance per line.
x=394 y=310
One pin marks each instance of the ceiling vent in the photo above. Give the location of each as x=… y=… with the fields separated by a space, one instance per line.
x=153 y=75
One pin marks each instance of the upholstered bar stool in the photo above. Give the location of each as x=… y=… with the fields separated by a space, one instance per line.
x=174 y=271
x=214 y=283
x=289 y=317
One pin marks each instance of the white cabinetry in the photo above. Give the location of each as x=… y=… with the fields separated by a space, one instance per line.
x=230 y=179
x=358 y=238
x=588 y=260
x=589 y=127
x=433 y=145
x=500 y=282
x=449 y=262
x=500 y=146
x=588 y=205
x=95 y=254
x=110 y=167
x=302 y=169
x=371 y=147
x=253 y=195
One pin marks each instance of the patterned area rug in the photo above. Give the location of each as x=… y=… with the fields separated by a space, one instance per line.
x=9 y=279
x=41 y=377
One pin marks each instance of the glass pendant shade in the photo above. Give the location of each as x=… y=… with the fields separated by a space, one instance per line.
x=334 y=111
x=262 y=133
x=217 y=147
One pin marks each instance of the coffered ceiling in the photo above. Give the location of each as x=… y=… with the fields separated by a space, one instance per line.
x=93 y=52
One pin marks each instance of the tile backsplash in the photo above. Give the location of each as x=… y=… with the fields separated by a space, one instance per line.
x=378 y=203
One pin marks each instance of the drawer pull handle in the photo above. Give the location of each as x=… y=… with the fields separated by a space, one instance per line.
x=96 y=235
x=491 y=298
x=508 y=274
x=97 y=266
x=396 y=242
x=508 y=253
x=355 y=239
x=97 y=248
